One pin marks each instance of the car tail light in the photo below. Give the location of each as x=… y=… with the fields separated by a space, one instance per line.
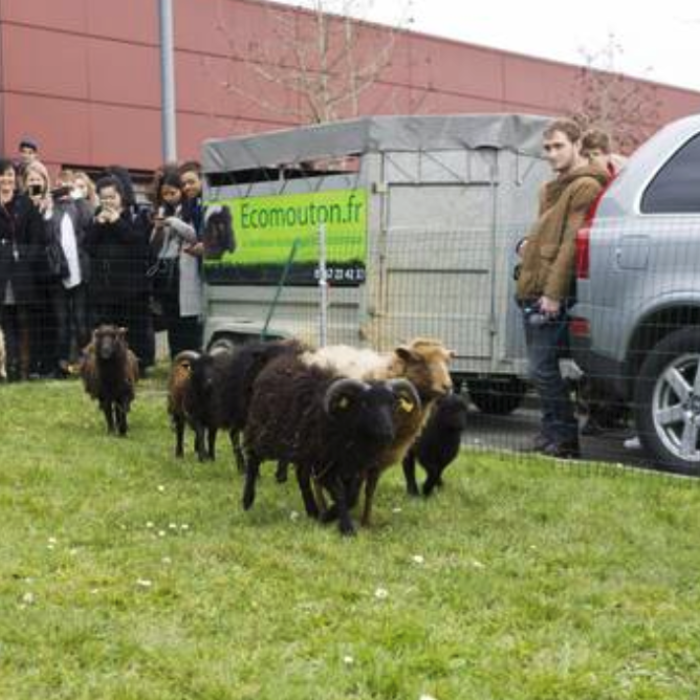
x=583 y=252
x=579 y=327
x=583 y=239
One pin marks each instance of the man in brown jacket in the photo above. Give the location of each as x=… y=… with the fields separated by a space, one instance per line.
x=545 y=280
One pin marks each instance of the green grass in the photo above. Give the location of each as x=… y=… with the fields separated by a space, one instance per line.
x=126 y=574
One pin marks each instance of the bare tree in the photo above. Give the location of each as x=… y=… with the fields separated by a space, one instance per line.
x=604 y=98
x=320 y=60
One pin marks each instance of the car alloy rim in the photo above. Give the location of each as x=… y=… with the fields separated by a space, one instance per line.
x=675 y=407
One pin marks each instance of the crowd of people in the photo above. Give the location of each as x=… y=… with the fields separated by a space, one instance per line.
x=75 y=254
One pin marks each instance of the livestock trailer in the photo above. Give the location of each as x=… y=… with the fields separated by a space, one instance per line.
x=415 y=219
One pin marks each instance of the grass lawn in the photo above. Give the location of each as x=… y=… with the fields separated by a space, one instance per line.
x=126 y=574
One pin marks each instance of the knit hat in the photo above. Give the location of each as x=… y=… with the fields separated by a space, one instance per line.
x=28 y=142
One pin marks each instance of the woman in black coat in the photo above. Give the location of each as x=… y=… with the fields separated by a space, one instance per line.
x=22 y=257
x=118 y=250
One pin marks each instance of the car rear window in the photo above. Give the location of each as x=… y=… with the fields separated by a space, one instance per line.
x=676 y=187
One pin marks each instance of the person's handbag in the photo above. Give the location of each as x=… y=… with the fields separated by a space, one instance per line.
x=56 y=261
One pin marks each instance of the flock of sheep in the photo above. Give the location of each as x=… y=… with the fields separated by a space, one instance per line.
x=340 y=415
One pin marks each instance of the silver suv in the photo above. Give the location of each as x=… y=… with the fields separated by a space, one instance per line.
x=636 y=324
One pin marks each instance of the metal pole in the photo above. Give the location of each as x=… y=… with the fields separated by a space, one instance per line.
x=323 y=287
x=167 y=78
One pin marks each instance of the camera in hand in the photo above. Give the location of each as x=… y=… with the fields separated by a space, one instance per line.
x=35 y=190
x=61 y=192
x=534 y=315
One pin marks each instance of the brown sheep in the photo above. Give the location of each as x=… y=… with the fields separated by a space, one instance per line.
x=178 y=383
x=110 y=370
x=424 y=362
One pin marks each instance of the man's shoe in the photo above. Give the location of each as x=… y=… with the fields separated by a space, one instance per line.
x=565 y=449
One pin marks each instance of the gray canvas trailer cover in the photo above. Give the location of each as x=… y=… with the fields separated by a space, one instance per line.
x=447 y=198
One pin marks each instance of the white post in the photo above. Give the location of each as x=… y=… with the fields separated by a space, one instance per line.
x=323 y=287
x=167 y=78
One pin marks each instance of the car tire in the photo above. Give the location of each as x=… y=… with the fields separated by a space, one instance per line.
x=224 y=342
x=667 y=402
x=497 y=397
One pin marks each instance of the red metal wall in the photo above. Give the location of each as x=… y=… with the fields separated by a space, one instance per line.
x=83 y=78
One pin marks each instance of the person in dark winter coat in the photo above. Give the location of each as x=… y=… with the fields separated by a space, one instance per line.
x=141 y=218
x=22 y=244
x=118 y=252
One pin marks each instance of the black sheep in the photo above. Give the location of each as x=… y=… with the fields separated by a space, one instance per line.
x=331 y=428
x=109 y=371
x=218 y=391
x=437 y=445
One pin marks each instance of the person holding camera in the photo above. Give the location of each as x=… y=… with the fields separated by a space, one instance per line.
x=545 y=278
x=177 y=285
x=67 y=230
x=118 y=252
x=21 y=245
x=37 y=185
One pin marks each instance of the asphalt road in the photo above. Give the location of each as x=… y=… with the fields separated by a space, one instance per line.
x=514 y=432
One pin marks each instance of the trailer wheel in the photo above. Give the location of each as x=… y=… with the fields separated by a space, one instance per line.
x=497 y=397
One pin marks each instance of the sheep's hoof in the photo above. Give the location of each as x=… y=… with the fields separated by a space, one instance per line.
x=329 y=515
x=348 y=530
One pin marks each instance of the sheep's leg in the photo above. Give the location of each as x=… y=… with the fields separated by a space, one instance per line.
x=237 y=450
x=433 y=479
x=370 y=488
x=200 y=442
x=179 y=423
x=106 y=407
x=121 y=410
x=304 y=481
x=339 y=494
x=281 y=471
x=251 y=476
x=212 y=444
x=409 y=472
x=319 y=496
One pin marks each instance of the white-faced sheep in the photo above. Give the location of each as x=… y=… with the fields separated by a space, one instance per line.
x=437 y=445
x=110 y=370
x=329 y=427
x=423 y=361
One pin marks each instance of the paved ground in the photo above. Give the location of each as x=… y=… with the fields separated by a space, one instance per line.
x=515 y=432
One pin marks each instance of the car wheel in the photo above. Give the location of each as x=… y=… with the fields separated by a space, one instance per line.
x=497 y=397
x=667 y=402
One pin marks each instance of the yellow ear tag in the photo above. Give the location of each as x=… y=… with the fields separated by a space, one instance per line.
x=406 y=405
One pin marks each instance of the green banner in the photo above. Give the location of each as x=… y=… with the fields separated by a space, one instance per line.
x=265 y=229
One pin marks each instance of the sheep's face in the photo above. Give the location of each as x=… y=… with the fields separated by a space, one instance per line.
x=107 y=340
x=426 y=366
x=452 y=412
x=363 y=411
x=204 y=374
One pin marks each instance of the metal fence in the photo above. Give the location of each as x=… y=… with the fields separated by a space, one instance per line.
x=631 y=355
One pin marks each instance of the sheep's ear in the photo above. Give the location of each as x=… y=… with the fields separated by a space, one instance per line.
x=122 y=331
x=405 y=353
x=341 y=395
x=407 y=397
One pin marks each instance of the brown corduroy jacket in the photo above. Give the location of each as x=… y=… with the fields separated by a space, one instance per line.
x=548 y=257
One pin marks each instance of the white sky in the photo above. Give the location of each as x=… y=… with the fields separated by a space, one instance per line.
x=659 y=41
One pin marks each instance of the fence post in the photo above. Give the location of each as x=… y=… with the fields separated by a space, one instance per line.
x=323 y=287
